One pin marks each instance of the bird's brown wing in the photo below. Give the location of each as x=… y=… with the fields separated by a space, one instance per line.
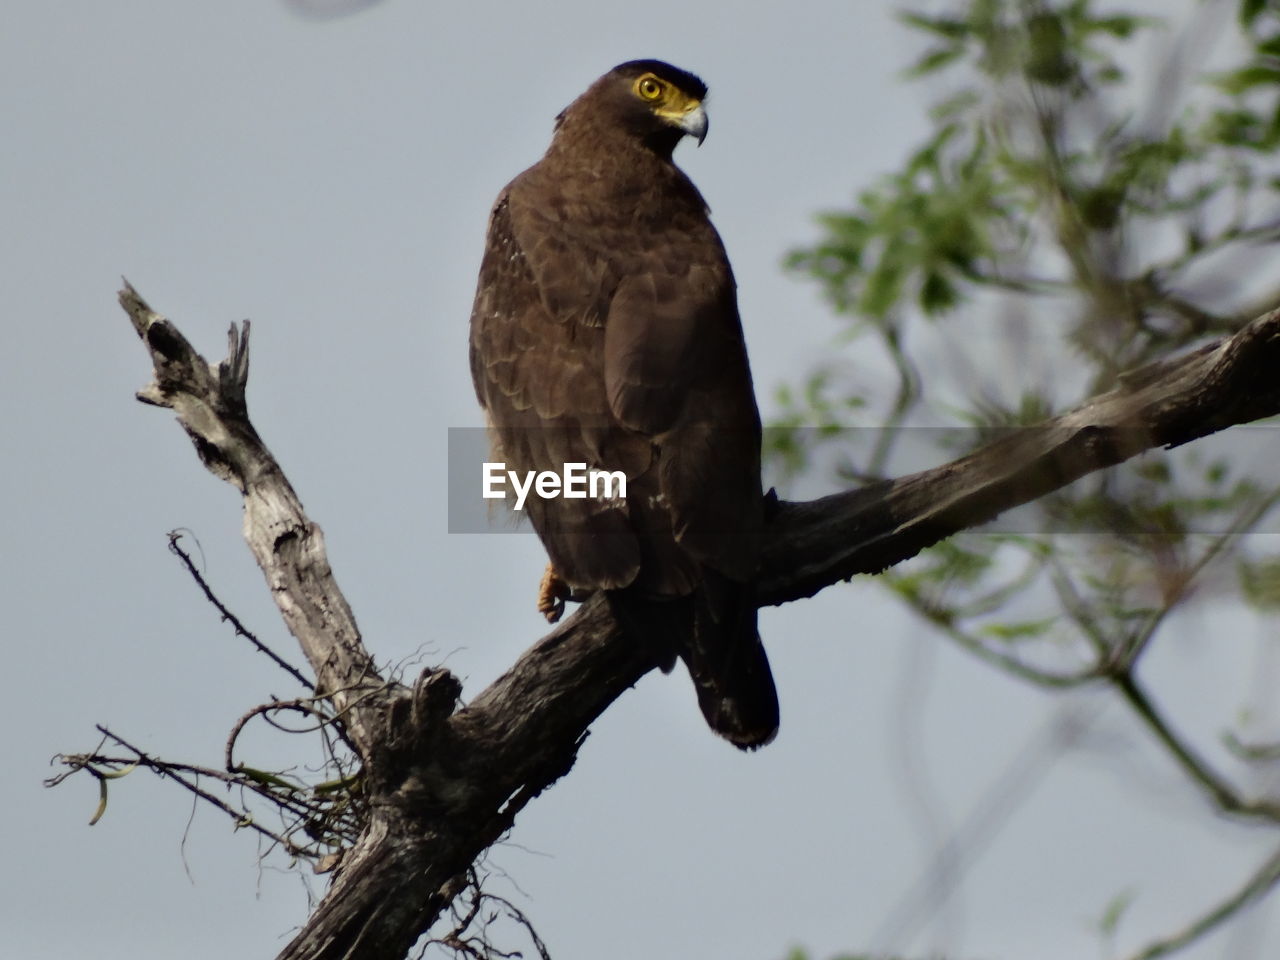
x=537 y=374
x=675 y=369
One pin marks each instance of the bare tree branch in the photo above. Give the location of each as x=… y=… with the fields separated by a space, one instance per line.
x=210 y=404
x=444 y=783
x=1253 y=889
x=1218 y=788
x=1165 y=404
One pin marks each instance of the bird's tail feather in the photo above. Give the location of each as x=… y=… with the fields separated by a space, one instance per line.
x=714 y=632
x=729 y=667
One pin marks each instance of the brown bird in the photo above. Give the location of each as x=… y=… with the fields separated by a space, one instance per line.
x=605 y=332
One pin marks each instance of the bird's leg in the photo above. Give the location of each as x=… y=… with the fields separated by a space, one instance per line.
x=552 y=593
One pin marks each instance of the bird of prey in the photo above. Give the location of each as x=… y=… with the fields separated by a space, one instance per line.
x=605 y=332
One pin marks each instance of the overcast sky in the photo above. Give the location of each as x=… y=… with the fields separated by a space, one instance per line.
x=330 y=179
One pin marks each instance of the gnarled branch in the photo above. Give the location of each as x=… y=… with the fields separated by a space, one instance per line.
x=445 y=783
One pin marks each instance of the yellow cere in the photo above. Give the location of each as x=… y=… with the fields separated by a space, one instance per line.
x=668 y=101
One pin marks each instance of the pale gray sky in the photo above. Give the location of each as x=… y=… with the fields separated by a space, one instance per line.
x=330 y=180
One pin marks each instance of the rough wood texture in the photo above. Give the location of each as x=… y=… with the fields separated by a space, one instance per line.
x=210 y=405
x=445 y=783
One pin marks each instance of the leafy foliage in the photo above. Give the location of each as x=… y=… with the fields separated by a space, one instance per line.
x=1097 y=220
x=1051 y=193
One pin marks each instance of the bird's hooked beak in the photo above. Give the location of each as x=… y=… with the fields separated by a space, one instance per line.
x=694 y=122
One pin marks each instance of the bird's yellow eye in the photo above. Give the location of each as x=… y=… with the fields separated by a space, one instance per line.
x=649 y=88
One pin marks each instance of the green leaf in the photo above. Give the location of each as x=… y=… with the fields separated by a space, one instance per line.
x=1115 y=910
x=884 y=287
x=937 y=293
x=1235 y=128
x=1111 y=74
x=1260 y=582
x=1020 y=630
x=935 y=60
x=952 y=28
x=1216 y=472
x=1247 y=78
x=1269 y=47
x=1153 y=468
x=954 y=105
x=1121 y=27
x=1049 y=60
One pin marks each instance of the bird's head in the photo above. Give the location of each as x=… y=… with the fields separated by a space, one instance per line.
x=647 y=99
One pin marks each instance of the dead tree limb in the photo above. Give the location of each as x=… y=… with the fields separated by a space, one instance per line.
x=445 y=783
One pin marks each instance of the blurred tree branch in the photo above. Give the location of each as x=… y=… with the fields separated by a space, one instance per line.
x=1164 y=404
x=1093 y=220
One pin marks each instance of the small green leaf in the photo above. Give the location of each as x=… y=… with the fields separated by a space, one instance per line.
x=937 y=293
x=1049 y=61
x=1122 y=27
x=1269 y=47
x=1260 y=582
x=1019 y=630
x=1115 y=910
x=1247 y=78
x=934 y=60
x=1111 y=74
x=950 y=27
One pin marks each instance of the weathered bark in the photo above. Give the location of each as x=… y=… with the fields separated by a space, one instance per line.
x=445 y=783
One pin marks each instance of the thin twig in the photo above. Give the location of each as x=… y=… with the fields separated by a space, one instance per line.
x=1253 y=889
x=469 y=935
x=229 y=617
x=302 y=705
x=1251 y=752
x=242 y=818
x=1249 y=517
x=1009 y=663
x=1222 y=792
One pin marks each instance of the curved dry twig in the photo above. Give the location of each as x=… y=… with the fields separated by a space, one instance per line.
x=1259 y=883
